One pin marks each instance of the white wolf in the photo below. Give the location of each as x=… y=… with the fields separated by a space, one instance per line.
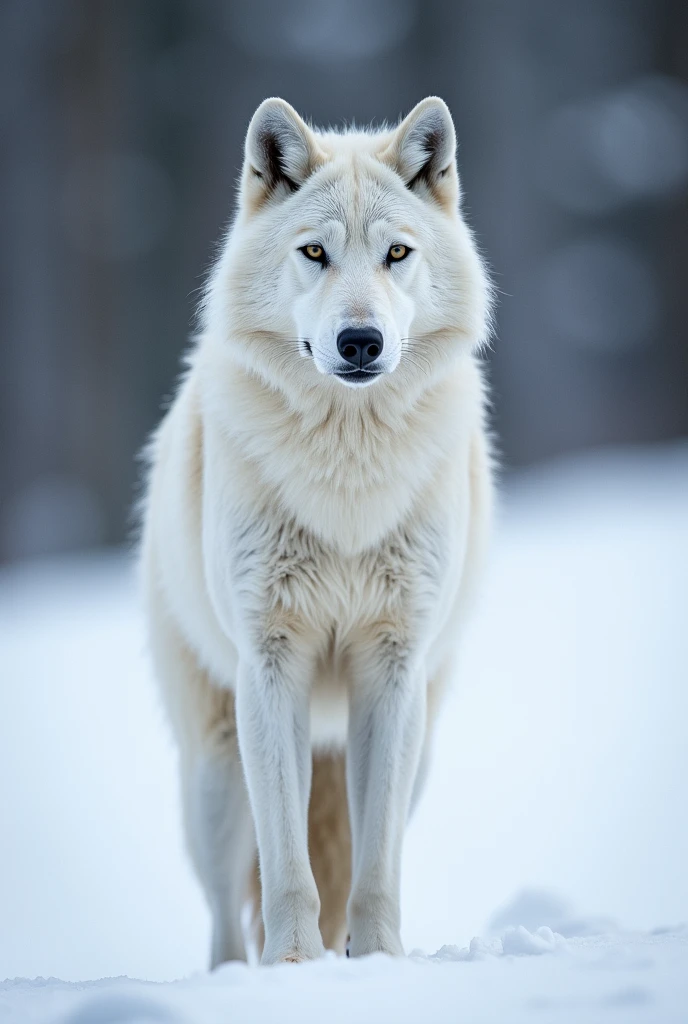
x=317 y=504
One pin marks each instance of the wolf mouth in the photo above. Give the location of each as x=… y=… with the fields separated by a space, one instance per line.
x=358 y=376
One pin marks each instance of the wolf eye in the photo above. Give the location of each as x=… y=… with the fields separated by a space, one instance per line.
x=397 y=253
x=315 y=253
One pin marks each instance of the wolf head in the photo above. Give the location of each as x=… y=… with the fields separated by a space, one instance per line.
x=348 y=264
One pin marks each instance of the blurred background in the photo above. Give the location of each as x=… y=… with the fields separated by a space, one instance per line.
x=122 y=127
x=561 y=761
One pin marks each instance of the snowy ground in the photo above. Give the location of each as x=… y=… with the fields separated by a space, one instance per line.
x=641 y=979
x=561 y=767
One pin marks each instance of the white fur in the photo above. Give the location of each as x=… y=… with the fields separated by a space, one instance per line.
x=308 y=545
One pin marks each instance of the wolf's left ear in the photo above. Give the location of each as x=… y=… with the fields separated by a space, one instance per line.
x=281 y=152
x=422 y=150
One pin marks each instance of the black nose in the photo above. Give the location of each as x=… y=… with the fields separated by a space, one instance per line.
x=359 y=345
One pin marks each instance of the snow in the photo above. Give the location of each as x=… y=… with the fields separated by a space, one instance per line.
x=520 y=942
x=641 y=978
x=560 y=767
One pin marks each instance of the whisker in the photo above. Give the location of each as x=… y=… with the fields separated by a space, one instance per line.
x=416 y=358
x=418 y=366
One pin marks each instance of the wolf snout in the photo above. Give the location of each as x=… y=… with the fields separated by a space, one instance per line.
x=360 y=346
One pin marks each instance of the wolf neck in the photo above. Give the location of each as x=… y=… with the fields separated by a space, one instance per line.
x=349 y=471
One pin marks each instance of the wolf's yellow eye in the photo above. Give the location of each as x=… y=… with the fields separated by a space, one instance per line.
x=314 y=252
x=397 y=252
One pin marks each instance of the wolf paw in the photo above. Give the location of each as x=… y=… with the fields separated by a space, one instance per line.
x=289 y=954
x=374 y=942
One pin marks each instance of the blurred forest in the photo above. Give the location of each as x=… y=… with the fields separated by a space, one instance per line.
x=122 y=127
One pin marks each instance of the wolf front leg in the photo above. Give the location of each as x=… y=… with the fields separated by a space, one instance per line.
x=273 y=717
x=386 y=730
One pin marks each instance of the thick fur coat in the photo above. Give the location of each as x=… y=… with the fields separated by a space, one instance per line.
x=316 y=512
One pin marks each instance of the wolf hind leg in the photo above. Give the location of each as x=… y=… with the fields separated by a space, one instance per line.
x=218 y=824
x=329 y=845
x=438 y=683
x=220 y=837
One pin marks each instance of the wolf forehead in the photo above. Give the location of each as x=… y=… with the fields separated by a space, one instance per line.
x=353 y=192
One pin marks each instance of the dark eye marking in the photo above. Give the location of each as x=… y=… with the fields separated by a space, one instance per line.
x=397 y=253
x=315 y=253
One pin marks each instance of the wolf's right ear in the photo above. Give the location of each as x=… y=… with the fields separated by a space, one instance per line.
x=281 y=152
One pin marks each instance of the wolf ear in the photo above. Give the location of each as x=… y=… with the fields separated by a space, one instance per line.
x=422 y=150
x=281 y=152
